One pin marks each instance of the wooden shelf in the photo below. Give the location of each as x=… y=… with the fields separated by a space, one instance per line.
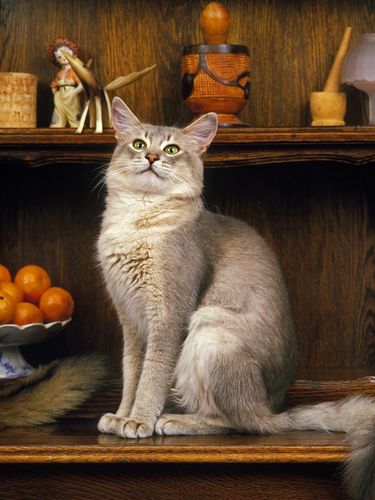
x=76 y=439
x=312 y=386
x=79 y=441
x=231 y=147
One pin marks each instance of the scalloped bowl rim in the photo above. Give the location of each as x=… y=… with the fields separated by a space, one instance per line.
x=45 y=326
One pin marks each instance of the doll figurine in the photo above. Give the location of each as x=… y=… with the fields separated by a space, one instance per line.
x=66 y=87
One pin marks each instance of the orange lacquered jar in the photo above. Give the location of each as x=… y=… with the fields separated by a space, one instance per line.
x=216 y=78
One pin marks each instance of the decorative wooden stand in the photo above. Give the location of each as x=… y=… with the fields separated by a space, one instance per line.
x=215 y=75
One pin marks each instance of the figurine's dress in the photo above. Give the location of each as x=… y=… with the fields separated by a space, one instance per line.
x=67 y=101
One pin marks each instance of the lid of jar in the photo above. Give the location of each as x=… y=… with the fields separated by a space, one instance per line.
x=221 y=48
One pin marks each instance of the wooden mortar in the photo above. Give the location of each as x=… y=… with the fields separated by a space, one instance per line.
x=328 y=109
x=329 y=106
x=215 y=75
x=18 y=100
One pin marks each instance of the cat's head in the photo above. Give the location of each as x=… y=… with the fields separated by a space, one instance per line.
x=158 y=160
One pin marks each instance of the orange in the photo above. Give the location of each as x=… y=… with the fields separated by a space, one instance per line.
x=5 y=276
x=56 y=304
x=12 y=289
x=33 y=280
x=7 y=308
x=27 y=313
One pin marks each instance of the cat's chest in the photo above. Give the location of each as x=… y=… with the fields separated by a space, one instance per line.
x=131 y=264
x=133 y=280
x=131 y=257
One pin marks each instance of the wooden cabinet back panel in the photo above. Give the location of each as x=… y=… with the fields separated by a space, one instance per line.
x=319 y=219
x=292 y=44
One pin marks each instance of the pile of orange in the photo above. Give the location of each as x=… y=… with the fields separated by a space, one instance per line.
x=31 y=298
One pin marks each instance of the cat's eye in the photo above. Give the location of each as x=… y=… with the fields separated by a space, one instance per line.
x=139 y=145
x=171 y=149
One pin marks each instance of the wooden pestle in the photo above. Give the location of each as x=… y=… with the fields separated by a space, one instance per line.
x=334 y=77
x=215 y=22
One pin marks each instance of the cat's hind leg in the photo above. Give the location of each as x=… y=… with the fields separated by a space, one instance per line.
x=220 y=379
x=194 y=371
x=172 y=424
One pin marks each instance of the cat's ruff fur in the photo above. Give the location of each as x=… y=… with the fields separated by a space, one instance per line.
x=52 y=390
x=202 y=304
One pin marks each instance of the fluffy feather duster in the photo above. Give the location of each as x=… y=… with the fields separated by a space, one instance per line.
x=52 y=390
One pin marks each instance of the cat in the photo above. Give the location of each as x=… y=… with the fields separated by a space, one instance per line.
x=202 y=304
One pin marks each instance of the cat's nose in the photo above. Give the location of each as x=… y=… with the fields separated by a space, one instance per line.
x=152 y=157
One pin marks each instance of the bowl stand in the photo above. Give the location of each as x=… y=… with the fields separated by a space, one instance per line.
x=13 y=364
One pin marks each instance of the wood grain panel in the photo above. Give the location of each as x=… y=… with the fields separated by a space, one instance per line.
x=319 y=218
x=203 y=482
x=348 y=135
x=303 y=391
x=231 y=148
x=292 y=43
x=51 y=217
x=78 y=441
x=320 y=221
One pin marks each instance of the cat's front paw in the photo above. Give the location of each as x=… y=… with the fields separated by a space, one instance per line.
x=169 y=425
x=134 y=428
x=108 y=423
x=125 y=427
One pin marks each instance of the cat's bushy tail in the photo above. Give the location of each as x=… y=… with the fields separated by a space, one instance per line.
x=354 y=415
x=52 y=390
x=360 y=467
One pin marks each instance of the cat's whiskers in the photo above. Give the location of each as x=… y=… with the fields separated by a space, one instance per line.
x=185 y=181
x=117 y=169
x=104 y=180
x=99 y=185
x=181 y=179
x=99 y=172
x=190 y=192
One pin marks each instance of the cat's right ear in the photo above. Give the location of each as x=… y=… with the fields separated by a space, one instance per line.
x=122 y=118
x=202 y=131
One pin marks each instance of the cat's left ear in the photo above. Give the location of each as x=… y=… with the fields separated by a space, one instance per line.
x=202 y=131
x=123 y=119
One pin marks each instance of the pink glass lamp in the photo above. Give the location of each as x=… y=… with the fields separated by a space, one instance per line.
x=359 y=69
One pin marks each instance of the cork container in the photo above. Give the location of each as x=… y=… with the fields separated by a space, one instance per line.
x=18 y=100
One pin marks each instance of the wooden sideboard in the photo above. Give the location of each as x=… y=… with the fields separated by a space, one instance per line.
x=54 y=174
x=309 y=191
x=73 y=460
